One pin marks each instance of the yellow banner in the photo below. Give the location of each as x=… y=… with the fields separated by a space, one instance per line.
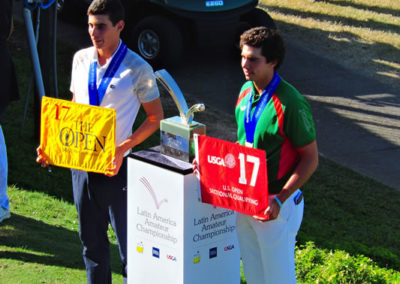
x=77 y=136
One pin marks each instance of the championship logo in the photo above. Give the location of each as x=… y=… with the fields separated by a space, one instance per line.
x=150 y=189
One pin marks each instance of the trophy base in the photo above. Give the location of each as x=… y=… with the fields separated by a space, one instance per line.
x=177 y=138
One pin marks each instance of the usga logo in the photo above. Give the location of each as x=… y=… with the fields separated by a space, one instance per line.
x=171 y=257
x=228 y=248
x=228 y=161
x=216 y=160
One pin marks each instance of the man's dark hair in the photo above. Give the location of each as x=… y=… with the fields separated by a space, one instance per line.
x=270 y=41
x=112 y=8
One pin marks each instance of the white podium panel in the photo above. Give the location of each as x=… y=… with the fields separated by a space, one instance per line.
x=172 y=236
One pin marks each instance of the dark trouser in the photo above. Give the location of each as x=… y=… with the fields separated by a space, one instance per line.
x=101 y=200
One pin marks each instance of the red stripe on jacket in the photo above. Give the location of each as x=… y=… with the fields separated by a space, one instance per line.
x=242 y=95
x=289 y=156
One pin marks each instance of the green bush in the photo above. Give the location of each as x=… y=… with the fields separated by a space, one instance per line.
x=315 y=265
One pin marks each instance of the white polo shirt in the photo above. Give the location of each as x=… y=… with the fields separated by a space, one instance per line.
x=133 y=83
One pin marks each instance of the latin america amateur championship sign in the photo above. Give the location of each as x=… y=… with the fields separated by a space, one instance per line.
x=76 y=135
x=232 y=176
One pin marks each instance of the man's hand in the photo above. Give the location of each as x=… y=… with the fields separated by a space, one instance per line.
x=41 y=157
x=116 y=162
x=272 y=211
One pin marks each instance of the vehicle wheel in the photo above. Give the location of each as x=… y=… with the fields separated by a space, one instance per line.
x=258 y=17
x=72 y=11
x=158 y=40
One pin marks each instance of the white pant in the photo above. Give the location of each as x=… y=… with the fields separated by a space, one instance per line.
x=267 y=248
x=4 y=203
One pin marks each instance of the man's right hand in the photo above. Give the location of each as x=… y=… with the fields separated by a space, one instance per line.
x=41 y=157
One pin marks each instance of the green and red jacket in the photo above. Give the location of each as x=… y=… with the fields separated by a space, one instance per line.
x=285 y=124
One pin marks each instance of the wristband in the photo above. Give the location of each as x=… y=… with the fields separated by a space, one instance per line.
x=278 y=201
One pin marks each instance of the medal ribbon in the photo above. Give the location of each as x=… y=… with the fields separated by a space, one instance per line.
x=250 y=122
x=96 y=95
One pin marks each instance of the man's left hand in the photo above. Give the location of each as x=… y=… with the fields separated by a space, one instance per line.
x=116 y=162
x=271 y=212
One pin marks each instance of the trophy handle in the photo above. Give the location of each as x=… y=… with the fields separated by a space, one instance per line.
x=166 y=80
x=192 y=110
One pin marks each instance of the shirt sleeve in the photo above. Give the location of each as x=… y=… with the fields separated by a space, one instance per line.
x=299 y=123
x=146 y=88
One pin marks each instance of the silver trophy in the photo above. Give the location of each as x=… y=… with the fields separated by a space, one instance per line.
x=176 y=133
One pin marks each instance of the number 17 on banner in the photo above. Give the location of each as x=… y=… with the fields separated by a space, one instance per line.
x=232 y=176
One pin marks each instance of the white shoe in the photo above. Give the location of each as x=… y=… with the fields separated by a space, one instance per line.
x=4 y=214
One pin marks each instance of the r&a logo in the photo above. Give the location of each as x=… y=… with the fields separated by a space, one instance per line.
x=156 y=252
x=213 y=252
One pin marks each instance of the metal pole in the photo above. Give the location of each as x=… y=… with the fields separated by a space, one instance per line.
x=55 y=83
x=32 y=75
x=34 y=54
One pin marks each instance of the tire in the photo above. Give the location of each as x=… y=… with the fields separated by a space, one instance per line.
x=158 y=40
x=72 y=11
x=258 y=17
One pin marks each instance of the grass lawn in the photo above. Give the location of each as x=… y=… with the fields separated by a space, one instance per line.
x=350 y=232
x=362 y=35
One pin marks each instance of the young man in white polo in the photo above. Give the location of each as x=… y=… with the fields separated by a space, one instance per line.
x=110 y=75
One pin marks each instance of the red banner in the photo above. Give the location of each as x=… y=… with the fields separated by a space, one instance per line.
x=232 y=176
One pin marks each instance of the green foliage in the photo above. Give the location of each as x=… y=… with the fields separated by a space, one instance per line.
x=315 y=265
x=22 y=141
x=350 y=212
